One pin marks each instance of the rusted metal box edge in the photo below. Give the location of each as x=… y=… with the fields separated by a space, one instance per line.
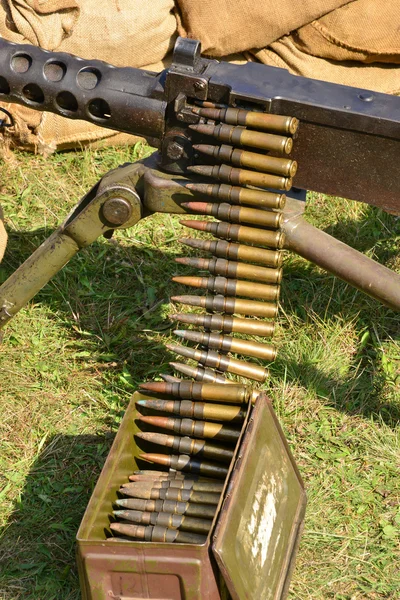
x=131 y=570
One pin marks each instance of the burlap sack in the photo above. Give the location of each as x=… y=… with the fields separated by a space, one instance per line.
x=228 y=26
x=365 y=30
x=124 y=32
x=43 y=23
x=284 y=54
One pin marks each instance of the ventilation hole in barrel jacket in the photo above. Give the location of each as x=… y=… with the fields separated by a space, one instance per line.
x=99 y=109
x=33 y=93
x=67 y=101
x=21 y=63
x=4 y=86
x=54 y=71
x=88 y=78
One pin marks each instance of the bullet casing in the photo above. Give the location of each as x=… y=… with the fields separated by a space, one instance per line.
x=236 y=252
x=157 y=534
x=239 y=233
x=226 y=343
x=185 y=484
x=204 y=511
x=202 y=429
x=239 y=195
x=239 y=136
x=237 y=214
x=232 y=287
x=222 y=304
x=182 y=462
x=227 y=324
x=213 y=392
x=242 y=158
x=222 y=363
x=169 y=378
x=166 y=520
x=242 y=177
x=200 y=374
x=232 y=270
x=187 y=445
x=240 y=116
x=139 y=491
x=197 y=410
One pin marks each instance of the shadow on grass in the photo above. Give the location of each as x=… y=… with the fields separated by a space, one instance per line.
x=37 y=545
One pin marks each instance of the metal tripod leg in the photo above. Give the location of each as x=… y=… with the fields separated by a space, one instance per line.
x=339 y=259
x=108 y=206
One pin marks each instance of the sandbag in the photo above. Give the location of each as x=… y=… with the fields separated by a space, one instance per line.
x=364 y=30
x=42 y=23
x=285 y=54
x=228 y=26
x=124 y=33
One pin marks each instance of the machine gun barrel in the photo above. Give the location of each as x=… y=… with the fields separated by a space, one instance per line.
x=121 y=98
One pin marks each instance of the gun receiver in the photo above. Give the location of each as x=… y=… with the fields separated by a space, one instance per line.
x=347 y=144
x=348 y=141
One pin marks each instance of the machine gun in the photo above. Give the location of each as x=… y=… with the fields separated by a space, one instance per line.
x=347 y=145
x=345 y=142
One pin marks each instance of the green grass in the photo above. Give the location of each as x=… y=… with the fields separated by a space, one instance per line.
x=71 y=359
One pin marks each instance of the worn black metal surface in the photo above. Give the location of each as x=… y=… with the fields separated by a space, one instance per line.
x=348 y=142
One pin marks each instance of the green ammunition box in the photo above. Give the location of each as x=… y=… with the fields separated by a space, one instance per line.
x=250 y=550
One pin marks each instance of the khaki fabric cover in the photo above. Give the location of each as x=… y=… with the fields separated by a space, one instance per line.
x=122 y=32
x=228 y=26
x=285 y=54
x=364 y=30
x=42 y=23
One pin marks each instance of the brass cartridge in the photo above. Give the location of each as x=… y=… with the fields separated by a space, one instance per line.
x=239 y=195
x=152 y=473
x=197 y=410
x=238 y=233
x=214 y=392
x=165 y=520
x=182 y=462
x=243 y=158
x=228 y=250
x=227 y=343
x=202 y=429
x=157 y=534
x=231 y=287
x=224 y=323
x=175 y=481
x=239 y=136
x=169 y=378
x=240 y=116
x=200 y=374
x=147 y=492
x=240 y=177
x=230 y=306
x=236 y=214
x=186 y=484
x=232 y=269
x=186 y=445
x=222 y=363
x=204 y=511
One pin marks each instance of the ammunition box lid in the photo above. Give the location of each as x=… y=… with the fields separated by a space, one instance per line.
x=260 y=522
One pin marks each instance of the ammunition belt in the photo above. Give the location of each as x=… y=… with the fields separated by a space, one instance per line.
x=199 y=420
